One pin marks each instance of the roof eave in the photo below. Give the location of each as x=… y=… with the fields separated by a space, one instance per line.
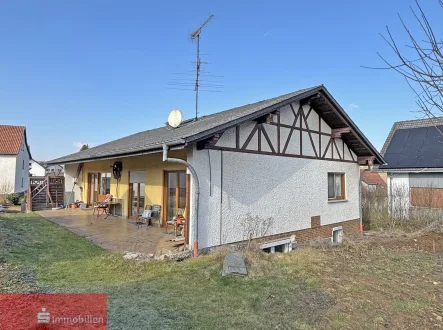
x=376 y=154
x=173 y=146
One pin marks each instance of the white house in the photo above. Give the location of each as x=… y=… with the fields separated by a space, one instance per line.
x=414 y=155
x=36 y=168
x=14 y=159
x=284 y=169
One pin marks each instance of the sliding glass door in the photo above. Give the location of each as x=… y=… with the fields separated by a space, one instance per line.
x=175 y=193
x=136 y=193
x=92 y=187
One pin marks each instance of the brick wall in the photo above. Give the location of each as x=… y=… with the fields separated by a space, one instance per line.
x=350 y=227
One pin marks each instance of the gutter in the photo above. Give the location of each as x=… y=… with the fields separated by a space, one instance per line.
x=194 y=217
x=174 y=146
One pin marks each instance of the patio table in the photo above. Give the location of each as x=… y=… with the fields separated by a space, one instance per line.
x=113 y=204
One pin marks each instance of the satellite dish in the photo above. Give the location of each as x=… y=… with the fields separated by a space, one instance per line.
x=175 y=118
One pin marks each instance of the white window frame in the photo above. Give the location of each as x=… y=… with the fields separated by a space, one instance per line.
x=343 y=187
x=287 y=245
x=337 y=229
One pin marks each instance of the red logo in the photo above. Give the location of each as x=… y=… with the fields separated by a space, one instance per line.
x=53 y=311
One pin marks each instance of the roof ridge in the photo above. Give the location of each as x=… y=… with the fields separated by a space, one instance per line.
x=421 y=120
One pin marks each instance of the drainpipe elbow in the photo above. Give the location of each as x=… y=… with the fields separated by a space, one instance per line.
x=165 y=153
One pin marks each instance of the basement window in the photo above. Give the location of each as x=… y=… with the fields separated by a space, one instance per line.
x=336 y=186
x=337 y=235
x=281 y=246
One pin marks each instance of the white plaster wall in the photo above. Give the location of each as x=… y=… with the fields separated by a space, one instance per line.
x=289 y=190
x=22 y=169
x=7 y=173
x=36 y=169
x=70 y=175
x=398 y=194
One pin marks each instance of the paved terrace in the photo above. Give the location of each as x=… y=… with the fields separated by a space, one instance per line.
x=114 y=233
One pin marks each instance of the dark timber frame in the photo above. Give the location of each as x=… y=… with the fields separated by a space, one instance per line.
x=327 y=109
x=282 y=150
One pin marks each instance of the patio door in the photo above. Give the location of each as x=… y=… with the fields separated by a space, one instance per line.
x=93 y=186
x=175 y=194
x=136 y=193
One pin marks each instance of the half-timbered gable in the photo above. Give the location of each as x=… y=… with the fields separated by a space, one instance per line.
x=291 y=131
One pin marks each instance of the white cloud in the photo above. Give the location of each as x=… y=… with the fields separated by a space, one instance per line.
x=353 y=106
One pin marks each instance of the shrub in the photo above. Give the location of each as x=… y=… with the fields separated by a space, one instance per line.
x=394 y=212
x=14 y=199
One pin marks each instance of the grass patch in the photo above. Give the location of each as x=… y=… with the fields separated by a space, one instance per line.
x=355 y=286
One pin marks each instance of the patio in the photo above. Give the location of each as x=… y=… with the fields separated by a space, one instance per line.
x=114 y=233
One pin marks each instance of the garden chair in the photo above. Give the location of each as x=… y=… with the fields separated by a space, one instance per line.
x=173 y=221
x=145 y=217
x=102 y=207
x=156 y=211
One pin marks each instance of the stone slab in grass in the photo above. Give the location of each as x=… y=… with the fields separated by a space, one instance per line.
x=234 y=265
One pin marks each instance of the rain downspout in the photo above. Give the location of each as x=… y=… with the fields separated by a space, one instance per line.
x=360 y=190
x=194 y=217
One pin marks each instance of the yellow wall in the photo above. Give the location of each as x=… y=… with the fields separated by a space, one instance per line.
x=152 y=164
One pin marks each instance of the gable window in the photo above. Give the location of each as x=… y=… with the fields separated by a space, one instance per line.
x=336 y=186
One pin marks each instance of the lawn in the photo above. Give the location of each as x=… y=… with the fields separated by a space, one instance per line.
x=372 y=284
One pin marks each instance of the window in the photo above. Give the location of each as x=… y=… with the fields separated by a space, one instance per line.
x=336 y=186
x=337 y=235
x=281 y=246
x=23 y=165
x=105 y=183
x=22 y=181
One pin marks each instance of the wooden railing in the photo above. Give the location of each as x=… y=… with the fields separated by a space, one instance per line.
x=45 y=186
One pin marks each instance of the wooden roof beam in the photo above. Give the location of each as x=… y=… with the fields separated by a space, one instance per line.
x=337 y=132
x=366 y=160
x=208 y=143
x=309 y=99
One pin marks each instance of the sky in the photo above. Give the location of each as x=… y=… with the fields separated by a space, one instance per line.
x=77 y=72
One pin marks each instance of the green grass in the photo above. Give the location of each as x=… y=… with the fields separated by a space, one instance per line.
x=347 y=287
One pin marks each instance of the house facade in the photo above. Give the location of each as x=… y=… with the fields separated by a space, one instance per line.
x=36 y=168
x=14 y=159
x=414 y=155
x=282 y=169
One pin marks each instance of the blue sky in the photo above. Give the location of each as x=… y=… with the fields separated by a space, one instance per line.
x=92 y=71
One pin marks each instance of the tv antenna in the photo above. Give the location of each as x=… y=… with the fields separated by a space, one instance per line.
x=196 y=35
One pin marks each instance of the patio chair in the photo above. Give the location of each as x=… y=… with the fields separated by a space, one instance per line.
x=156 y=212
x=173 y=222
x=144 y=218
x=102 y=207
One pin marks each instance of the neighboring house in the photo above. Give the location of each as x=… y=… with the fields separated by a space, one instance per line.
x=14 y=159
x=56 y=170
x=279 y=168
x=43 y=169
x=372 y=181
x=36 y=168
x=414 y=155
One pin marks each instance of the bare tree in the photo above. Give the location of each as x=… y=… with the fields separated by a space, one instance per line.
x=84 y=147
x=420 y=62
